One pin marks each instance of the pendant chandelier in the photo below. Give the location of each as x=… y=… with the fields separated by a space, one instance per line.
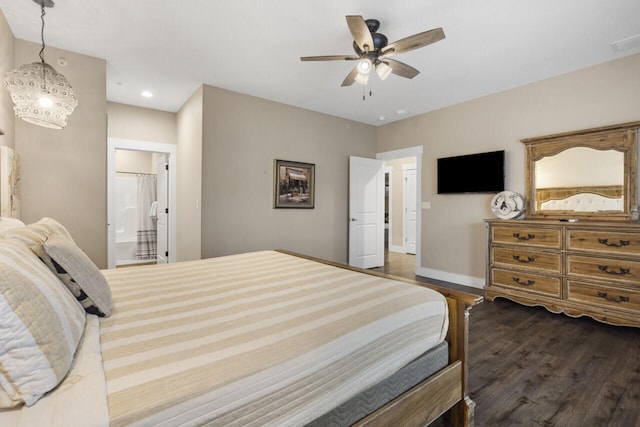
x=41 y=95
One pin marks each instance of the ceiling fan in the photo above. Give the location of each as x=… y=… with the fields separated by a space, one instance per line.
x=373 y=51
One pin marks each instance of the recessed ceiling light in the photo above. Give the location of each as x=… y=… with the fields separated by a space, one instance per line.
x=147 y=94
x=382 y=118
x=401 y=112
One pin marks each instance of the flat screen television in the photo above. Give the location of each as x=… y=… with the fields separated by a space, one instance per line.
x=472 y=173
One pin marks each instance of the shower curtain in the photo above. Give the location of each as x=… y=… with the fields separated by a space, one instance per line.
x=147 y=235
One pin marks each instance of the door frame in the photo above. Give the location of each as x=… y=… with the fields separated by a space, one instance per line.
x=417 y=153
x=170 y=150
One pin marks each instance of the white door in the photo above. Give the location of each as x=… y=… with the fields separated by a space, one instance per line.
x=366 y=212
x=162 y=224
x=410 y=211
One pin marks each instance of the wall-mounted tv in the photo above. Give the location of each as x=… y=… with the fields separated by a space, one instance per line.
x=473 y=173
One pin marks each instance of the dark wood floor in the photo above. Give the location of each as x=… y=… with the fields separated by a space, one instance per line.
x=530 y=367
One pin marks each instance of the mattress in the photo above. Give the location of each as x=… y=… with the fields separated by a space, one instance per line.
x=386 y=390
x=256 y=339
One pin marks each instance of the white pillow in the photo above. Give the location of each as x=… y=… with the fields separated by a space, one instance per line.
x=7 y=223
x=40 y=326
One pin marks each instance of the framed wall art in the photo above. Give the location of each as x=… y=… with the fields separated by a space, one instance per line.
x=294 y=184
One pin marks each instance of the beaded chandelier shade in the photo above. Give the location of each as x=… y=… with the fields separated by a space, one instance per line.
x=41 y=95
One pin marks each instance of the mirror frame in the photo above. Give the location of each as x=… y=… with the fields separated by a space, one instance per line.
x=622 y=137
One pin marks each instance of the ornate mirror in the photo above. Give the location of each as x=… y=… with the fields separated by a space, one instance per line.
x=588 y=174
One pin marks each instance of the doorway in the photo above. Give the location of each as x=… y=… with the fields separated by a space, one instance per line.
x=403 y=222
x=141 y=205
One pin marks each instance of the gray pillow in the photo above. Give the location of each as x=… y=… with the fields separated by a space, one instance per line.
x=79 y=274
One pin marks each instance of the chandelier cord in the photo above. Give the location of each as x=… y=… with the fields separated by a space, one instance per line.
x=43 y=13
x=44 y=71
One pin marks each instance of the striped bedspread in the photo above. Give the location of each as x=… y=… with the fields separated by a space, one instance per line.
x=258 y=339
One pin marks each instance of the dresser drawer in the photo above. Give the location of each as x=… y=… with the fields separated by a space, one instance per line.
x=627 y=243
x=603 y=296
x=523 y=258
x=527 y=236
x=603 y=268
x=526 y=281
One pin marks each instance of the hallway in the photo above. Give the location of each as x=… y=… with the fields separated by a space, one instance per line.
x=404 y=265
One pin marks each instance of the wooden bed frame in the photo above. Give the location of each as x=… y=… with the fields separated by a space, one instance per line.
x=445 y=392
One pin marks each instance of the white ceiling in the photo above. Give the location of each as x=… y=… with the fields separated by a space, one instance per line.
x=253 y=47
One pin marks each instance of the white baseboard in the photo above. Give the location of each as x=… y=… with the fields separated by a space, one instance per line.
x=398 y=249
x=474 y=282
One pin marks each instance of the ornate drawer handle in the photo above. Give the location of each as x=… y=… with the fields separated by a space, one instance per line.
x=525 y=261
x=614 y=245
x=528 y=237
x=613 y=299
x=621 y=272
x=529 y=282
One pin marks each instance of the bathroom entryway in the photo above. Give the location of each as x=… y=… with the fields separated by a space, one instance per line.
x=141 y=203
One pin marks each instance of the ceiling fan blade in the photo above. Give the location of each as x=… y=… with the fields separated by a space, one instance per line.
x=414 y=42
x=360 y=32
x=351 y=78
x=330 y=58
x=401 y=69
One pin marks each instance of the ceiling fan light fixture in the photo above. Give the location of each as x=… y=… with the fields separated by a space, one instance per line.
x=373 y=50
x=362 y=78
x=364 y=66
x=41 y=95
x=383 y=70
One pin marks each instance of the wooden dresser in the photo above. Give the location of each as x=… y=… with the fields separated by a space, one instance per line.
x=577 y=268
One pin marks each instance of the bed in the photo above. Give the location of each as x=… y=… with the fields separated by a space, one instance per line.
x=263 y=338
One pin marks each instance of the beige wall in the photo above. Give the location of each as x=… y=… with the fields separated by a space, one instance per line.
x=6 y=65
x=132 y=161
x=453 y=233
x=141 y=124
x=189 y=165
x=63 y=172
x=242 y=137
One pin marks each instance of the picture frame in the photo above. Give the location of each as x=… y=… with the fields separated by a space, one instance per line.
x=294 y=184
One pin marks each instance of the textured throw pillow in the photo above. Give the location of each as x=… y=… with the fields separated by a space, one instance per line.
x=74 y=268
x=53 y=226
x=40 y=327
x=36 y=233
